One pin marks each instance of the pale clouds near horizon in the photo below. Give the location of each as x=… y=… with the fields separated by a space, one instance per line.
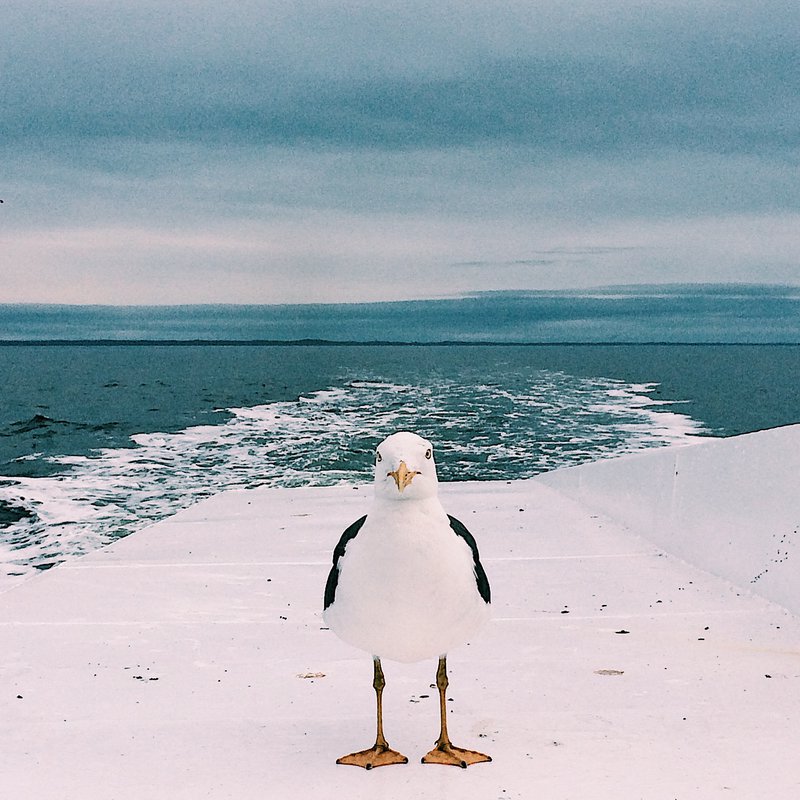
x=266 y=152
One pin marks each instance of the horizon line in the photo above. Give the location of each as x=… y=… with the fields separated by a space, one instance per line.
x=311 y=342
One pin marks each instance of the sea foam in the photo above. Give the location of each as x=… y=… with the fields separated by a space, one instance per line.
x=482 y=432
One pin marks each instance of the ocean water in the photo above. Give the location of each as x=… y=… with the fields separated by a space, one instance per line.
x=97 y=441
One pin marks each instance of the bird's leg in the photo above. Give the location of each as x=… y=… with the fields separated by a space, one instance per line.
x=444 y=752
x=380 y=754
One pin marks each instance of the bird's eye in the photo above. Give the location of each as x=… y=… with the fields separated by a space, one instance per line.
x=378 y=457
x=428 y=453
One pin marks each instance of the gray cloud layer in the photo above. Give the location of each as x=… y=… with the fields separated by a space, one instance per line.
x=357 y=79
x=263 y=145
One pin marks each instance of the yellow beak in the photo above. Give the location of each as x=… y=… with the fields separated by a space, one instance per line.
x=402 y=476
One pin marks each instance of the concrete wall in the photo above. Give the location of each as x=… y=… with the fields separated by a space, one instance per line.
x=729 y=506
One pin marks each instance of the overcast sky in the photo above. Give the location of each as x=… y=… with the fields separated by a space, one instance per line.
x=251 y=152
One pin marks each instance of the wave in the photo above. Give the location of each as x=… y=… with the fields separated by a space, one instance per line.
x=482 y=432
x=11 y=514
x=42 y=425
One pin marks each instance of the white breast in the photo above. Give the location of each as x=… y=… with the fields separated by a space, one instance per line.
x=407 y=587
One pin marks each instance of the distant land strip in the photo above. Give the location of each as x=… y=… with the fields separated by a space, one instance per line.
x=365 y=343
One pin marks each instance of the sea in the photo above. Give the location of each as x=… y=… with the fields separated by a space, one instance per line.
x=100 y=438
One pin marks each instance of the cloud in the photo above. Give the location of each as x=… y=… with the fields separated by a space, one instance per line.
x=319 y=150
x=347 y=76
x=519 y=262
x=552 y=257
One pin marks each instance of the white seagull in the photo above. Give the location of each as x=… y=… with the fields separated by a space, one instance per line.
x=407 y=585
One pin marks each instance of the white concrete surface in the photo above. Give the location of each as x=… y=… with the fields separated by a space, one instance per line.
x=190 y=661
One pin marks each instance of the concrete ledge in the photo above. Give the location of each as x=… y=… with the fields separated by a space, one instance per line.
x=730 y=506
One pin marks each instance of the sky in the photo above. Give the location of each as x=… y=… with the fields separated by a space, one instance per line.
x=264 y=152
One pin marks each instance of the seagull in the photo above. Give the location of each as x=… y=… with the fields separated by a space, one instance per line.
x=407 y=584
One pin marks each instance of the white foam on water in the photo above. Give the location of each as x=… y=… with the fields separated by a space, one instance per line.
x=483 y=432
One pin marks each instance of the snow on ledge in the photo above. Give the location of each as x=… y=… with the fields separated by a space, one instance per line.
x=729 y=506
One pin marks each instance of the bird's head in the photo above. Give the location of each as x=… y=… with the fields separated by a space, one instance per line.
x=404 y=468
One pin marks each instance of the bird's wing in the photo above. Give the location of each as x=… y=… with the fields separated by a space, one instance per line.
x=338 y=552
x=460 y=529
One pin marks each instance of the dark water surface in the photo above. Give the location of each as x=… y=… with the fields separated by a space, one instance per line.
x=71 y=399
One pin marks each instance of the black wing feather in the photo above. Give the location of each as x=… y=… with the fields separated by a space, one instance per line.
x=480 y=576
x=338 y=552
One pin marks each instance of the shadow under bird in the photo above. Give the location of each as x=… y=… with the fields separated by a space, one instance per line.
x=407 y=584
